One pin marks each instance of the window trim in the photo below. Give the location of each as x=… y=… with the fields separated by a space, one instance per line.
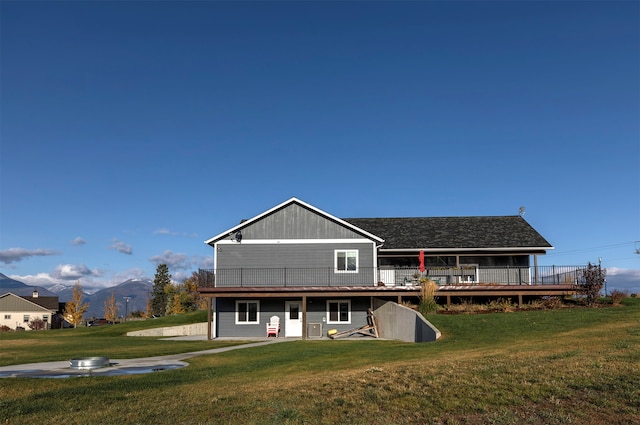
x=247 y=322
x=338 y=322
x=346 y=252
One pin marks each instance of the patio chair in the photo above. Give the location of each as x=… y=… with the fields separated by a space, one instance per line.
x=273 y=327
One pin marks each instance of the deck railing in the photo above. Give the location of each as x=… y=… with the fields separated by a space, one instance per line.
x=389 y=276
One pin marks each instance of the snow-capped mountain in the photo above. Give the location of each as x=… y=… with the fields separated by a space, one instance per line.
x=130 y=295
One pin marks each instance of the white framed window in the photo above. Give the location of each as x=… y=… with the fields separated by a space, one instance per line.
x=7 y=317
x=45 y=318
x=338 y=311
x=346 y=261
x=247 y=312
x=25 y=318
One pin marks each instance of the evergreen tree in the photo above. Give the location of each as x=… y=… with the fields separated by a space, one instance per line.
x=159 y=295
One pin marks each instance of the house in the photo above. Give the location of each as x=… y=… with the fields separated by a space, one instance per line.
x=318 y=272
x=18 y=312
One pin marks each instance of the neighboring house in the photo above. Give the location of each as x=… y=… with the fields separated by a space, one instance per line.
x=17 y=312
x=318 y=272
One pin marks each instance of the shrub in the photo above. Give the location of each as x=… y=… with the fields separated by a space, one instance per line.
x=552 y=302
x=501 y=304
x=593 y=281
x=617 y=296
x=4 y=328
x=37 y=324
x=428 y=302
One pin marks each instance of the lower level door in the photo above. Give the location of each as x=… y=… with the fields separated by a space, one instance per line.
x=292 y=319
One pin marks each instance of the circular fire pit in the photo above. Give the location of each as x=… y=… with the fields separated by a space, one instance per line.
x=89 y=362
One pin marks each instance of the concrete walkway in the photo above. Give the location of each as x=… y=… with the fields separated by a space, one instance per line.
x=62 y=369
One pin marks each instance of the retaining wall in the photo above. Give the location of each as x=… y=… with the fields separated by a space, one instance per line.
x=184 y=330
x=396 y=321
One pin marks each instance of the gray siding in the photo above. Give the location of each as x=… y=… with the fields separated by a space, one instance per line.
x=291 y=264
x=297 y=222
x=316 y=313
x=14 y=303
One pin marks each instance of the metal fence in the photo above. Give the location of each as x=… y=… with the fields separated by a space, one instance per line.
x=389 y=276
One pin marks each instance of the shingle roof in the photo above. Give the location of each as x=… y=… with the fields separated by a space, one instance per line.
x=453 y=232
x=50 y=303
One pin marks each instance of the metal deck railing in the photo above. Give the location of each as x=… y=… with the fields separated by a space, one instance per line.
x=390 y=276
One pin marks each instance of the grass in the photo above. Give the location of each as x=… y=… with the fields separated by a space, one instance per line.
x=571 y=366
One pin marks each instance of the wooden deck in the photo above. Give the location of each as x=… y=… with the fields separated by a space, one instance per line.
x=389 y=292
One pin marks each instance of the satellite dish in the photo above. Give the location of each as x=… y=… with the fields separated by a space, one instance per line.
x=238 y=236
x=521 y=211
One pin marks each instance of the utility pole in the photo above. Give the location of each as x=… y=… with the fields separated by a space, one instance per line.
x=126 y=307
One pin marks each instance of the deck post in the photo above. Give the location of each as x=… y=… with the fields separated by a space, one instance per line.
x=448 y=300
x=520 y=300
x=304 y=317
x=209 y=316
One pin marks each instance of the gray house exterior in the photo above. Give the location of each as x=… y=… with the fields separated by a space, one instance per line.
x=317 y=272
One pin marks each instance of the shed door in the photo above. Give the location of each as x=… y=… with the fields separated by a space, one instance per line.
x=292 y=319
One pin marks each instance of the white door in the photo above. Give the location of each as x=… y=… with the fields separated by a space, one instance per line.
x=292 y=319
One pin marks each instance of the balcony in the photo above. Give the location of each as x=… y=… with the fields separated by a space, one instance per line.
x=388 y=276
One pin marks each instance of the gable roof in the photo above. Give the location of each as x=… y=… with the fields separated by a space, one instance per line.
x=12 y=302
x=294 y=201
x=476 y=233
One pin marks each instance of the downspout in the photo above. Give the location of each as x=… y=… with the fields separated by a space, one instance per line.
x=376 y=266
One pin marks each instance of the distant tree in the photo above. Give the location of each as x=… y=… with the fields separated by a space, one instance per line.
x=74 y=309
x=191 y=285
x=138 y=314
x=159 y=295
x=173 y=305
x=111 y=308
x=594 y=277
x=148 y=311
x=185 y=297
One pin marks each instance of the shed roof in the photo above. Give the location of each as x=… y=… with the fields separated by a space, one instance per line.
x=491 y=232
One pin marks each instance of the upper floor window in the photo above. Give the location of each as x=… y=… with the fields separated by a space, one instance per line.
x=346 y=261
x=247 y=312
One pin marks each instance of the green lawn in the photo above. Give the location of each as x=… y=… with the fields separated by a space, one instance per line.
x=570 y=366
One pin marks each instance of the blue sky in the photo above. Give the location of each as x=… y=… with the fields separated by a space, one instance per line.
x=133 y=131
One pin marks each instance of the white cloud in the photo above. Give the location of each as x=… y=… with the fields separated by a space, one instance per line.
x=173 y=260
x=121 y=247
x=11 y=255
x=623 y=280
x=74 y=272
x=164 y=231
x=78 y=241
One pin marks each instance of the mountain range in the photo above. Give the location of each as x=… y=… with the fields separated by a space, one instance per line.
x=137 y=291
